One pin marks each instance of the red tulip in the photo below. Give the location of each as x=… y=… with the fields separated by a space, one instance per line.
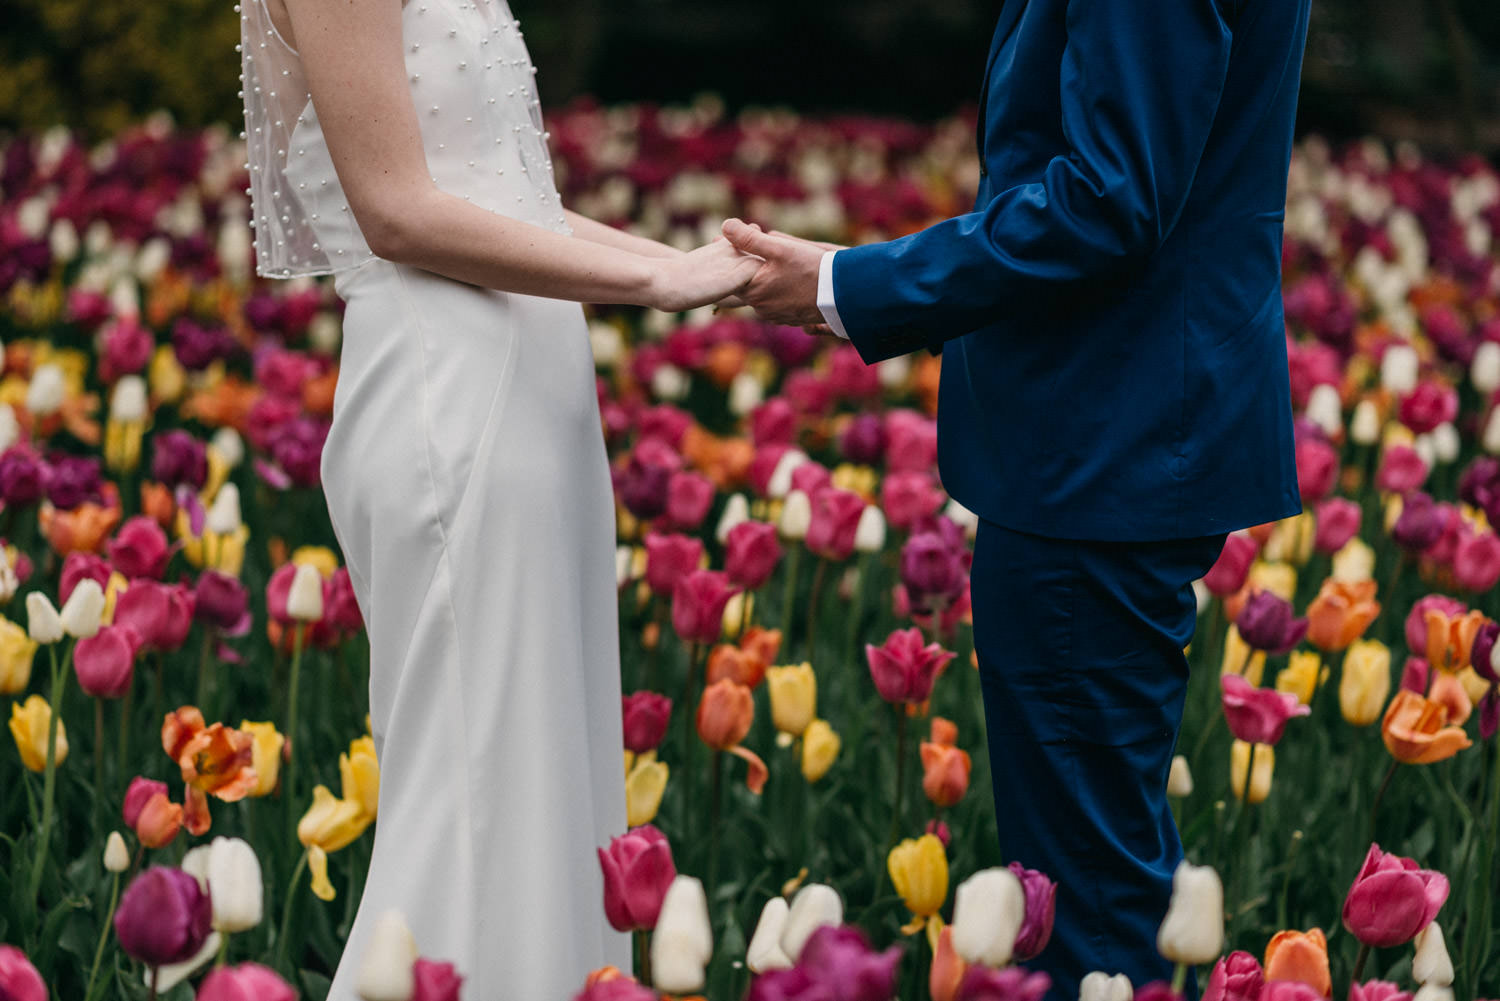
x=139 y=548
x=1236 y=977
x=105 y=662
x=638 y=868
x=646 y=716
x=19 y=980
x=698 y=602
x=835 y=516
x=689 y=496
x=1230 y=571
x=1257 y=715
x=435 y=981
x=164 y=916
x=246 y=982
x=161 y=614
x=1392 y=899
x=669 y=558
x=903 y=668
x=751 y=553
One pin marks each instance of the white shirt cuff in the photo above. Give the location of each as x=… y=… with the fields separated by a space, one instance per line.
x=826 y=305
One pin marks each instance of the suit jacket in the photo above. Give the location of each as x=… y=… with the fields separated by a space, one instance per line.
x=1115 y=362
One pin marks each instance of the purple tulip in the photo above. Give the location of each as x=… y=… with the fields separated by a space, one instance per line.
x=1013 y=983
x=177 y=457
x=71 y=480
x=840 y=956
x=164 y=916
x=1041 y=903
x=220 y=600
x=931 y=570
x=863 y=441
x=23 y=476
x=1420 y=525
x=643 y=488
x=1267 y=623
x=297 y=446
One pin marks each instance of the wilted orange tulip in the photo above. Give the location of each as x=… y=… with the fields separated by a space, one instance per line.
x=725 y=713
x=180 y=726
x=195 y=815
x=1448 y=691
x=1302 y=957
x=220 y=760
x=1450 y=639
x=1341 y=613
x=1415 y=730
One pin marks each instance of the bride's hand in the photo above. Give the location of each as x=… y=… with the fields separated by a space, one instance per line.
x=707 y=275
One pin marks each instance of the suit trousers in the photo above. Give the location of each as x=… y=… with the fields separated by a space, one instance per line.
x=1080 y=649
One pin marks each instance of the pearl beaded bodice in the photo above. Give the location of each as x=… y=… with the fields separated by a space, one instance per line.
x=472 y=84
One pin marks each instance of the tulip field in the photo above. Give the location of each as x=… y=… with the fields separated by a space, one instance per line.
x=191 y=788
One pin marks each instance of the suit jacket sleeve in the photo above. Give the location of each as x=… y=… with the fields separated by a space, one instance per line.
x=1140 y=84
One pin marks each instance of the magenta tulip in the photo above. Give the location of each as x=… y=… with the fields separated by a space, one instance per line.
x=1421 y=524
x=1317 y=467
x=911 y=441
x=1236 y=977
x=1427 y=406
x=903 y=668
x=689 y=496
x=638 y=868
x=1156 y=990
x=1416 y=619
x=1392 y=899
x=1041 y=904
x=1257 y=715
x=669 y=558
x=164 y=916
x=1338 y=521
x=698 y=603
x=620 y=989
x=835 y=516
x=980 y=983
x=1378 y=990
x=1476 y=561
x=161 y=614
x=751 y=553
x=139 y=548
x=1268 y=623
x=932 y=571
x=105 y=662
x=19 y=980
x=810 y=477
x=141 y=791
x=435 y=981
x=246 y=982
x=340 y=606
x=836 y=964
x=1289 y=990
x=908 y=497
x=1416 y=674
x=646 y=716
x=773 y=422
x=1401 y=470
x=220 y=600
x=1232 y=568
x=78 y=565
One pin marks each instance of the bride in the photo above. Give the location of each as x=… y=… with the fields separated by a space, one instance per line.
x=400 y=149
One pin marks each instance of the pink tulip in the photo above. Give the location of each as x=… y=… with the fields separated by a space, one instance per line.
x=277 y=590
x=689 y=496
x=1232 y=568
x=1289 y=990
x=669 y=558
x=164 y=916
x=105 y=662
x=665 y=423
x=435 y=981
x=19 y=980
x=1476 y=561
x=78 y=565
x=1041 y=904
x=161 y=614
x=139 y=548
x=246 y=982
x=810 y=477
x=903 y=668
x=1427 y=406
x=1416 y=674
x=620 y=989
x=1401 y=470
x=141 y=791
x=939 y=829
x=908 y=497
x=980 y=983
x=1258 y=715
x=1236 y=977
x=1317 y=467
x=698 y=603
x=1156 y=990
x=1338 y=521
x=340 y=607
x=1416 y=619
x=751 y=553
x=911 y=441
x=1392 y=899
x=763 y=466
x=220 y=600
x=773 y=422
x=1378 y=990
x=835 y=516
x=646 y=716
x=638 y=868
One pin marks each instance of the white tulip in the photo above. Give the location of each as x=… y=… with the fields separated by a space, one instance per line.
x=606 y=344
x=1426 y=450
x=45 y=393
x=195 y=864
x=169 y=976
x=1180 y=779
x=765 y=953
x=1193 y=930
x=796 y=516
x=963 y=518
x=305 y=599
x=988 y=910
x=1432 y=965
x=124 y=300
x=43 y=624
x=10 y=428
x=1364 y=426
x=385 y=974
x=1201 y=595
x=893 y=372
x=1484 y=370
x=1433 y=992
x=780 y=483
x=682 y=943
x=153 y=256
x=1100 y=986
x=33 y=215
x=83 y=612
x=623 y=559
x=1398 y=368
x=736 y=510
x=9 y=583
x=127 y=401
x=223 y=516
x=116 y=855
x=745 y=394
x=325 y=332
x=815 y=905
x=235 y=885
x=1445 y=443
x=1489 y=439
x=669 y=382
x=230 y=446
x=1325 y=409
x=869 y=534
x=63 y=240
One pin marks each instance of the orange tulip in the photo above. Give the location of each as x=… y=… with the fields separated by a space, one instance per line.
x=220 y=760
x=1302 y=957
x=725 y=713
x=159 y=821
x=195 y=811
x=1414 y=730
x=158 y=504
x=317 y=392
x=948 y=968
x=1448 y=691
x=724 y=361
x=728 y=661
x=1341 y=613
x=945 y=767
x=1450 y=639
x=180 y=726
x=84 y=528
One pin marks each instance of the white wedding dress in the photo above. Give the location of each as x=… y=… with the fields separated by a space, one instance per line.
x=467 y=481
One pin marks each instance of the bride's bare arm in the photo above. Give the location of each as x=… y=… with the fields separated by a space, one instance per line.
x=589 y=229
x=351 y=53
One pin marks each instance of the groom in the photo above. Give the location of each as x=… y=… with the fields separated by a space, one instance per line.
x=1114 y=400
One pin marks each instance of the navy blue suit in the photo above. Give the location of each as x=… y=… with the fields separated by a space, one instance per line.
x=1114 y=400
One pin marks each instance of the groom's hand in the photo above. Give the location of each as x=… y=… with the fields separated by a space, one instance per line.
x=785 y=289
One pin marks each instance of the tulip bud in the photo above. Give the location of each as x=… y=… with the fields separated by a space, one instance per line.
x=765 y=952
x=304 y=601
x=796 y=516
x=83 y=612
x=1398 y=369
x=1431 y=965
x=814 y=906
x=1180 y=778
x=682 y=943
x=127 y=402
x=386 y=972
x=1484 y=370
x=988 y=910
x=736 y=511
x=43 y=624
x=780 y=483
x=745 y=394
x=235 y=885
x=1325 y=409
x=1100 y=986
x=1364 y=426
x=869 y=534
x=1193 y=930
x=224 y=514
x=116 y=855
x=44 y=395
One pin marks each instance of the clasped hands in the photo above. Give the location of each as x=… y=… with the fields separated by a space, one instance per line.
x=785 y=287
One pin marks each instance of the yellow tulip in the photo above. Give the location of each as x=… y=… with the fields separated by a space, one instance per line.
x=1239 y=763
x=223 y=551
x=320 y=558
x=645 y=782
x=1292 y=539
x=1475 y=687
x=112 y=588
x=1302 y=676
x=1235 y=652
x=1278 y=578
x=919 y=870
x=735 y=612
x=165 y=375
x=317 y=864
x=122 y=444
x=1393 y=508
x=218 y=472
x=17 y=649
x=1354 y=563
x=29 y=722
x=360 y=773
x=862 y=480
x=1365 y=683
x=331 y=823
x=267 y=756
x=794 y=697
x=820 y=748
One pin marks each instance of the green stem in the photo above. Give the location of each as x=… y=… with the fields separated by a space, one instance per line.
x=286 y=911
x=98 y=765
x=745 y=602
x=1286 y=883
x=289 y=790
x=813 y=602
x=124 y=744
x=155 y=972
x=223 y=950
x=900 y=774
x=789 y=593
x=1359 y=963
x=1179 y=978
x=856 y=608
x=643 y=964
x=203 y=672
x=1379 y=795
x=114 y=899
x=715 y=795
x=49 y=781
